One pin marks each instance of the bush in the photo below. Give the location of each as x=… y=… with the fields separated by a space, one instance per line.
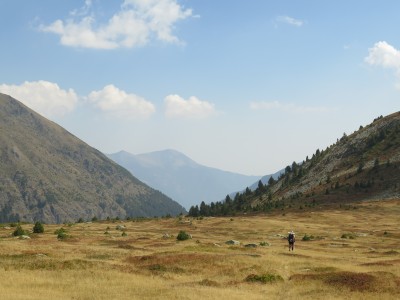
x=264 y=278
x=182 y=236
x=264 y=244
x=57 y=231
x=19 y=231
x=61 y=233
x=307 y=237
x=348 y=236
x=38 y=228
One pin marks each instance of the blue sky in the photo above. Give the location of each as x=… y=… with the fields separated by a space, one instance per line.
x=243 y=86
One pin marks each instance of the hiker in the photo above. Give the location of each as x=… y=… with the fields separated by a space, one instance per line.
x=291 y=239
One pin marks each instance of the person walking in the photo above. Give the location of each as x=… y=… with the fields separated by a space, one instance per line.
x=291 y=239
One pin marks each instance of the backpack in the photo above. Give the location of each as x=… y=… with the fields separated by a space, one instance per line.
x=291 y=238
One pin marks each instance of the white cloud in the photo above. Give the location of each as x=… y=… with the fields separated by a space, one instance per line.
x=121 y=104
x=385 y=55
x=137 y=22
x=287 y=107
x=177 y=107
x=44 y=97
x=290 y=21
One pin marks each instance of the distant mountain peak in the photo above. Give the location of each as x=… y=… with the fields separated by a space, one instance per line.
x=180 y=177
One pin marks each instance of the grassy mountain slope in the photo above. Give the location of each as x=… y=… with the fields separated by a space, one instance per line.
x=180 y=177
x=362 y=166
x=50 y=175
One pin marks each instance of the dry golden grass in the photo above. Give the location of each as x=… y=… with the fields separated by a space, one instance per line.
x=145 y=265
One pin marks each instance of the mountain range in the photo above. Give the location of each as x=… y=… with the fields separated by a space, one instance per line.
x=47 y=174
x=181 y=178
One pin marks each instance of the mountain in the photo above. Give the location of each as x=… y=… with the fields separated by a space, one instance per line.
x=48 y=174
x=362 y=166
x=181 y=178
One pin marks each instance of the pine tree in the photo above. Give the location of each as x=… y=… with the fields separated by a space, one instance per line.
x=38 y=228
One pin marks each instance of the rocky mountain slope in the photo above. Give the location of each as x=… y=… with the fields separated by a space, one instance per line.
x=362 y=166
x=181 y=178
x=48 y=174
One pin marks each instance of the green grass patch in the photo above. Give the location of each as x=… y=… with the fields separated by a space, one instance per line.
x=264 y=278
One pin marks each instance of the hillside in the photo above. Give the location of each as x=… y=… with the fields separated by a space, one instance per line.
x=362 y=166
x=50 y=175
x=181 y=178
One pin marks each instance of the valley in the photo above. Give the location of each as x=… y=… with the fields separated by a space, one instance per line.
x=350 y=252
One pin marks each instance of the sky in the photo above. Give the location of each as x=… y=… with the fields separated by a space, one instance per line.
x=242 y=86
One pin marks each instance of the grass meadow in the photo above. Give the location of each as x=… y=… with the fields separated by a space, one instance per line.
x=351 y=252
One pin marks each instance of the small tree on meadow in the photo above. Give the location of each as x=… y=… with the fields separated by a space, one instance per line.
x=38 y=228
x=19 y=231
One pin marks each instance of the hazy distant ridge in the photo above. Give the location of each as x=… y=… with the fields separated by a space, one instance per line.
x=181 y=178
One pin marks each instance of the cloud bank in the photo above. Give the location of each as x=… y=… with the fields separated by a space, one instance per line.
x=136 y=24
x=385 y=55
x=45 y=97
x=48 y=99
x=120 y=104
x=177 y=107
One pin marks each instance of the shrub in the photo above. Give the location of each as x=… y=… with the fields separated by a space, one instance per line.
x=19 y=231
x=307 y=237
x=182 y=236
x=263 y=244
x=348 y=236
x=123 y=233
x=38 y=228
x=264 y=278
x=61 y=233
x=57 y=231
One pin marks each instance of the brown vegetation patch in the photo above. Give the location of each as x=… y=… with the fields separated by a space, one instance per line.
x=359 y=282
x=350 y=280
x=291 y=254
x=123 y=244
x=353 y=281
x=42 y=262
x=207 y=282
x=172 y=261
x=383 y=263
x=392 y=252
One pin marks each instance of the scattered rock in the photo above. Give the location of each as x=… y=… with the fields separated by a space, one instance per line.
x=361 y=234
x=265 y=244
x=120 y=227
x=24 y=237
x=8 y=228
x=166 y=236
x=251 y=245
x=232 y=242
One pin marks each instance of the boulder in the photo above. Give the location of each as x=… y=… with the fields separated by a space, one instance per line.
x=232 y=242
x=120 y=227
